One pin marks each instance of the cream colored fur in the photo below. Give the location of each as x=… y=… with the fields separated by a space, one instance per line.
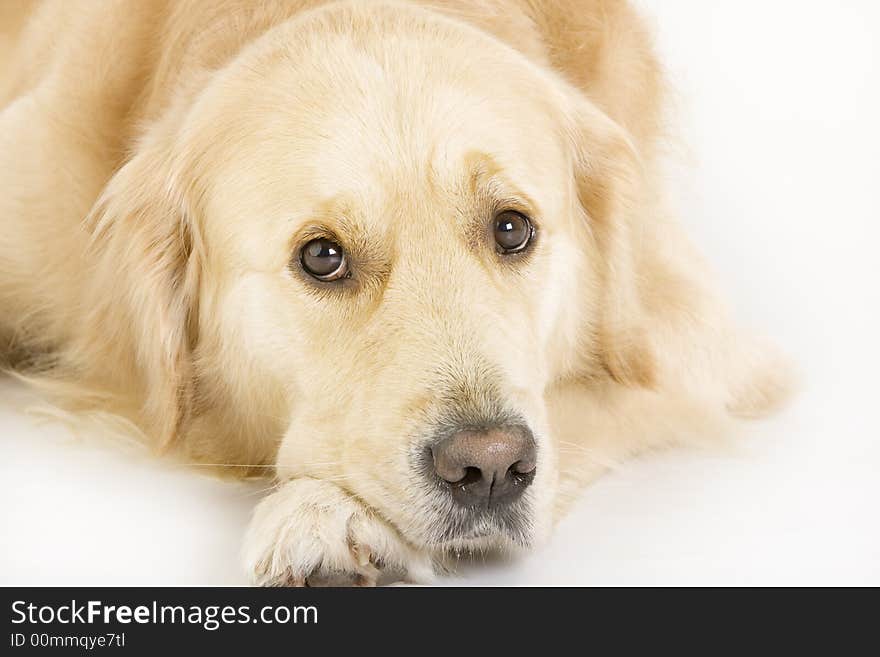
x=162 y=162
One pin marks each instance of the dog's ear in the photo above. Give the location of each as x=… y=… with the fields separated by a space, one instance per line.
x=609 y=183
x=145 y=251
x=660 y=323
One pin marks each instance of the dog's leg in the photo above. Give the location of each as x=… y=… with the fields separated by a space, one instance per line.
x=312 y=533
x=598 y=425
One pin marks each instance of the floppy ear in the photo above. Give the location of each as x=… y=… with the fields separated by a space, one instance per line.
x=660 y=324
x=609 y=182
x=145 y=252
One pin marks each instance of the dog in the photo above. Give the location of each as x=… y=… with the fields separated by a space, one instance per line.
x=412 y=259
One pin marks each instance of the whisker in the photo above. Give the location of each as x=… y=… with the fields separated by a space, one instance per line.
x=226 y=465
x=261 y=491
x=587 y=452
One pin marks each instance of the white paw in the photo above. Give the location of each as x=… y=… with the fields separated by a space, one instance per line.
x=311 y=533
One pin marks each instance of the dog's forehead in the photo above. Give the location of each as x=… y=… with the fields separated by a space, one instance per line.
x=437 y=149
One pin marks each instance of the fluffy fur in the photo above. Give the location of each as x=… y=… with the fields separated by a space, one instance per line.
x=162 y=162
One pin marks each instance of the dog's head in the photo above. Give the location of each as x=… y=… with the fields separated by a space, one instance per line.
x=383 y=235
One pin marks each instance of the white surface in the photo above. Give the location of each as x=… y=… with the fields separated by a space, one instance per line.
x=779 y=104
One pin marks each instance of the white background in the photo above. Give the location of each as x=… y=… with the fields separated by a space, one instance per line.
x=777 y=177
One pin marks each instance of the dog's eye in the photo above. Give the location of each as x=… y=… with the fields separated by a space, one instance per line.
x=513 y=231
x=324 y=259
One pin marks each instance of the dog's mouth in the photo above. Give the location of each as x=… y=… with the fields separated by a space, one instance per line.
x=503 y=528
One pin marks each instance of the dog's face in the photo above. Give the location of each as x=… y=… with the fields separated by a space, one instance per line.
x=396 y=261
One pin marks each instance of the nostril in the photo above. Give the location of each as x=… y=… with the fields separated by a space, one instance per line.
x=463 y=477
x=471 y=476
x=520 y=474
x=521 y=468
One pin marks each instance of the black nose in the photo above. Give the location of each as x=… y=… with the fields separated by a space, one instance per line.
x=485 y=468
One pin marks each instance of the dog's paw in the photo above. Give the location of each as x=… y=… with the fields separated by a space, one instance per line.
x=311 y=533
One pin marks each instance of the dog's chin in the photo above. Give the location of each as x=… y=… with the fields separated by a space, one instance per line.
x=488 y=544
x=507 y=531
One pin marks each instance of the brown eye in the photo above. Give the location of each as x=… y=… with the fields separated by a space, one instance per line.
x=513 y=231
x=324 y=259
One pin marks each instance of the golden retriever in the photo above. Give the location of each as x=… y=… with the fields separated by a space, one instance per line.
x=410 y=257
